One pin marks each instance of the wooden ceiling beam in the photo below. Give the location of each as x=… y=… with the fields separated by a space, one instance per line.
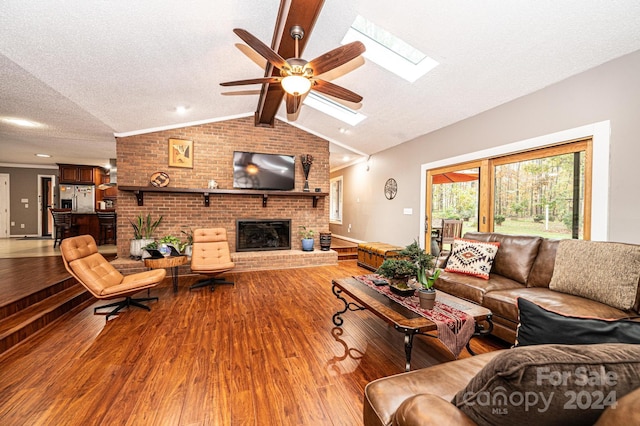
x=303 y=13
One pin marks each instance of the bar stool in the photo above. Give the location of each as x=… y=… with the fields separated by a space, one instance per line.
x=63 y=224
x=108 y=227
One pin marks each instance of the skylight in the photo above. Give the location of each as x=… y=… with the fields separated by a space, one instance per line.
x=333 y=108
x=389 y=51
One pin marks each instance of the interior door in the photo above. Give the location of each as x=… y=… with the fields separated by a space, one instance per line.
x=46 y=202
x=4 y=205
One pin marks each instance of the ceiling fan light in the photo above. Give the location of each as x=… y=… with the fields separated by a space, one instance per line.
x=296 y=85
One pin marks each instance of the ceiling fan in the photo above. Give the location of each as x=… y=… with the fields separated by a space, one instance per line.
x=297 y=76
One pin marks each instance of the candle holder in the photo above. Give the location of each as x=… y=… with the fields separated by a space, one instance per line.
x=307 y=161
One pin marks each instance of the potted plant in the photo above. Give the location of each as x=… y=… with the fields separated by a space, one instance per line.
x=398 y=271
x=167 y=240
x=307 y=238
x=424 y=263
x=186 y=247
x=143 y=229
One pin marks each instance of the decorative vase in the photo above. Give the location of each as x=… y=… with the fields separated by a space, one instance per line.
x=325 y=241
x=135 y=248
x=427 y=299
x=307 y=244
x=307 y=161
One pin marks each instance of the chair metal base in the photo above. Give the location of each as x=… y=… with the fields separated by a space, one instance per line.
x=128 y=301
x=210 y=282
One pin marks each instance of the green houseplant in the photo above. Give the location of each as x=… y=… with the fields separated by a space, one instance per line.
x=398 y=271
x=307 y=237
x=424 y=263
x=143 y=229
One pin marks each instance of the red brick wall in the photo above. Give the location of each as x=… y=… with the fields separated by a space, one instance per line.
x=213 y=145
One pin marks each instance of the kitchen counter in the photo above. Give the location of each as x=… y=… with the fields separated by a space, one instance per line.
x=88 y=223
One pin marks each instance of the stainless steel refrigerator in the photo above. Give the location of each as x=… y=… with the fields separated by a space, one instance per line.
x=79 y=198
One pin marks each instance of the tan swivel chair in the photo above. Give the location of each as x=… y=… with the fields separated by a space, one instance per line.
x=82 y=260
x=63 y=225
x=210 y=256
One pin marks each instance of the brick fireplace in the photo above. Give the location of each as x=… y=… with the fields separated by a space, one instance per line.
x=139 y=156
x=263 y=235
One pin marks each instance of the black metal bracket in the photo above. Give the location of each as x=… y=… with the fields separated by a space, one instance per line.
x=139 y=197
x=348 y=306
x=206 y=199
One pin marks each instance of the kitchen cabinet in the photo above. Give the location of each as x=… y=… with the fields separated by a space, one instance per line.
x=80 y=175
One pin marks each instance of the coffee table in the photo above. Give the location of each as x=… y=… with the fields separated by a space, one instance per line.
x=400 y=317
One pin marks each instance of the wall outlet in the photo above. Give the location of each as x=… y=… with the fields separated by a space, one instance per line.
x=13 y=223
x=408 y=211
x=22 y=225
x=26 y=206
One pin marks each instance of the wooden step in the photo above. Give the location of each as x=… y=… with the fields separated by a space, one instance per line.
x=24 y=323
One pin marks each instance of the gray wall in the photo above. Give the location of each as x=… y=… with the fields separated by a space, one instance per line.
x=23 y=183
x=608 y=92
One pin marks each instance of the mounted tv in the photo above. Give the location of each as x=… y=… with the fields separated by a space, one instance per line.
x=252 y=170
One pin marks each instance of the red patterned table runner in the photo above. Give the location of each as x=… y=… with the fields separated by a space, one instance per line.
x=455 y=327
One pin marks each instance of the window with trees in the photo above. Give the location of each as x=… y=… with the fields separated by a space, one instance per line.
x=544 y=192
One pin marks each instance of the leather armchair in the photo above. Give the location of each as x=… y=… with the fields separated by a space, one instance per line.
x=210 y=256
x=82 y=260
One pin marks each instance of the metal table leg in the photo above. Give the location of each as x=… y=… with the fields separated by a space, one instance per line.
x=348 y=306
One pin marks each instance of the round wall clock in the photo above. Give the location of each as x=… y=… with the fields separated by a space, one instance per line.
x=390 y=188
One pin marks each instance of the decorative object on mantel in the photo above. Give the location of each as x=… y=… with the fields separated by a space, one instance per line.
x=390 y=188
x=307 y=238
x=325 y=241
x=159 y=179
x=180 y=153
x=212 y=184
x=307 y=161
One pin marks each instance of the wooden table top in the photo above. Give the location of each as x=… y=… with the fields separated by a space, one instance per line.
x=166 y=262
x=398 y=315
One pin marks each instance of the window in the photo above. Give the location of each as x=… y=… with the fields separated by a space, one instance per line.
x=335 y=200
x=544 y=192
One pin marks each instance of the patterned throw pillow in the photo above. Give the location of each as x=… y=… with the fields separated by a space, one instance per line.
x=472 y=257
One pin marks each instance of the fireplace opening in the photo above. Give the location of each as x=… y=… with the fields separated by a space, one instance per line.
x=255 y=235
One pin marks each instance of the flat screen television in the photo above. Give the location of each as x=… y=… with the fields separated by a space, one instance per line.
x=252 y=170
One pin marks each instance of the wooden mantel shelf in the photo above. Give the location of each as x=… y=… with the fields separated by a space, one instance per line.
x=206 y=193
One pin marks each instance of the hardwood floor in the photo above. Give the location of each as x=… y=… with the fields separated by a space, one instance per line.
x=262 y=352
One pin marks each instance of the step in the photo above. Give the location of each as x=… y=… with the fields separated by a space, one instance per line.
x=26 y=322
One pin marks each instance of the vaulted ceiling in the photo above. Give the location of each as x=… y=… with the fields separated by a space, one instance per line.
x=86 y=69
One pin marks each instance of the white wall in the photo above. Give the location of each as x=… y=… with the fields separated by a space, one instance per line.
x=608 y=92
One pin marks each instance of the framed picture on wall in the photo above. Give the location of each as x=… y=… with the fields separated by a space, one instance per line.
x=180 y=153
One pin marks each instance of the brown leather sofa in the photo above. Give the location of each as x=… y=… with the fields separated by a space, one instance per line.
x=424 y=397
x=523 y=267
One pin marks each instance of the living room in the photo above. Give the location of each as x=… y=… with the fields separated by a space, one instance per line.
x=273 y=351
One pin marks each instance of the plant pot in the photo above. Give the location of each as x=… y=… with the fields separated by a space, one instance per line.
x=427 y=298
x=325 y=241
x=307 y=244
x=135 y=249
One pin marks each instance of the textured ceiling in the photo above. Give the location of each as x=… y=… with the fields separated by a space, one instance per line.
x=87 y=69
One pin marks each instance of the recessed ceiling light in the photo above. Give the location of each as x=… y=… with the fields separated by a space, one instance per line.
x=181 y=109
x=345 y=158
x=20 y=122
x=43 y=155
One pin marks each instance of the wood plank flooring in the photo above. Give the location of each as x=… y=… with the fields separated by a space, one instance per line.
x=262 y=352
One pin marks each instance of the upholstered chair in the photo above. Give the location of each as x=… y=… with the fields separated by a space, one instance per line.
x=82 y=260
x=210 y=256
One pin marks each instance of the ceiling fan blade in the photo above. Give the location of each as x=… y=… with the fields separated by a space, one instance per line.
x=336 y=91
x=253 y=55
x=264 y=50
x=342 y=69
x=241 y=93
x=336 y=57
x=293 y=103
x=261 y=80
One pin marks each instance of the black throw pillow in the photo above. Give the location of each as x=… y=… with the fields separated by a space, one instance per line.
x=539 y=326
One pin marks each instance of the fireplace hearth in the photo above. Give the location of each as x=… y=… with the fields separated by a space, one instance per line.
x=261 y=235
